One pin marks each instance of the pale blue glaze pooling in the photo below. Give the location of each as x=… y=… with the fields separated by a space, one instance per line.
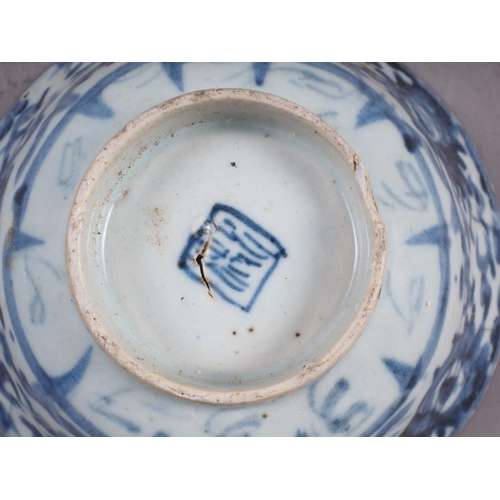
x=73 y=110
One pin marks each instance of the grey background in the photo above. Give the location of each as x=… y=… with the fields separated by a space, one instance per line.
x=471 y=91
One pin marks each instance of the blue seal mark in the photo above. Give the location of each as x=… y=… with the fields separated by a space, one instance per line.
x=232 y=256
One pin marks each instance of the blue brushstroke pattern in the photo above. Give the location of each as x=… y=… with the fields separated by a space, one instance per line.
x=326 y=407
x=174 y=72
x=34 y=125
x=260 y=70
x=437 y=235
x=402 y=372
x=64 y=384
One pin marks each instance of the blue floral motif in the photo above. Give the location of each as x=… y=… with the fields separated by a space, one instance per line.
x=475 y=350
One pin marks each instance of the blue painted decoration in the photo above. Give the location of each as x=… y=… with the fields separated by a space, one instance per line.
x=403 y=372
x=241 y=257
x=260 y=70
x=174 y=72
x=236 y=260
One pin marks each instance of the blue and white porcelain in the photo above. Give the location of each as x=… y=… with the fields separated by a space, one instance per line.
x=242 y=250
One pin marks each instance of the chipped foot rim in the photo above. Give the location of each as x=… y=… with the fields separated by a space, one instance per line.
x=160 y=256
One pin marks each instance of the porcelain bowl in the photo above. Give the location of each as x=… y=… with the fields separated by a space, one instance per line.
x=242 y=249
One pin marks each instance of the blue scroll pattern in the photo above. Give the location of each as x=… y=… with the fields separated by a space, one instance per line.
x=448 y=403
x=29 y=396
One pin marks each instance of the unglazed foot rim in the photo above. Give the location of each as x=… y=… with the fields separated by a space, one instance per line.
x=76 y=247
